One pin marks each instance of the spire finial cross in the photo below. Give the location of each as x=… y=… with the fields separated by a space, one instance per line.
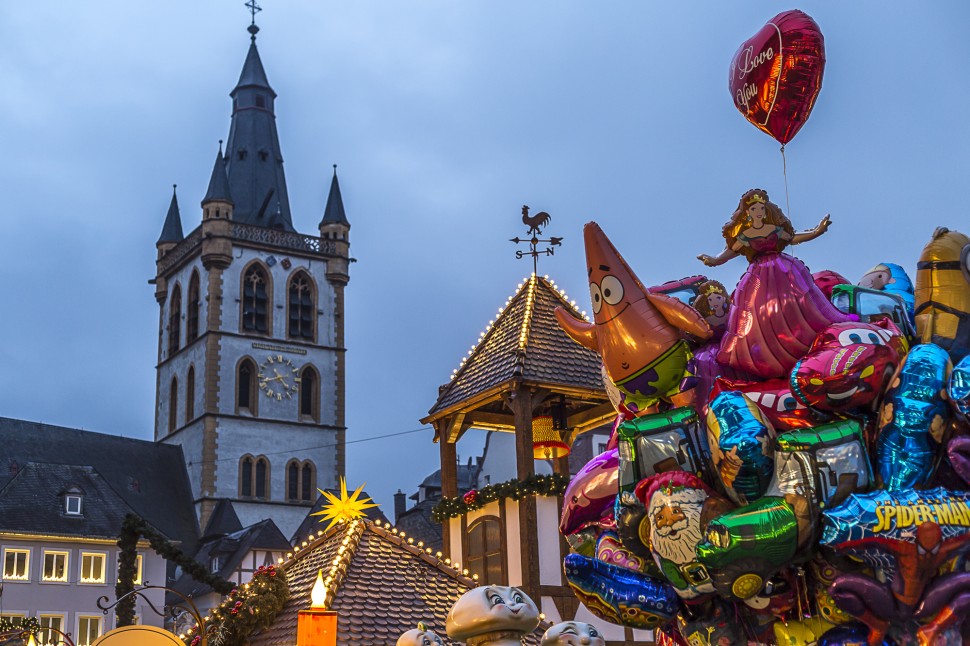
x=254 y=9
x=536 y=223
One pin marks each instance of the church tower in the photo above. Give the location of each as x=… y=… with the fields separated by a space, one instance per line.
x=250 y=374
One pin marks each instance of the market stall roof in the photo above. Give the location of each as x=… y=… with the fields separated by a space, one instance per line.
x=524 y=345
x=383 y=586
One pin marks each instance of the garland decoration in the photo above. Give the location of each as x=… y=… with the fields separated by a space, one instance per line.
x=535 y=485
x=134 y=528
x=245 y=609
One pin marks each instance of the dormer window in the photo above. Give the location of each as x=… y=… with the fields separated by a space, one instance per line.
x=72 y=501
x=214 y=564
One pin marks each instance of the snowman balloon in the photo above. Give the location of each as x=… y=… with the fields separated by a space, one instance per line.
x=492 y=615
x=573 y=633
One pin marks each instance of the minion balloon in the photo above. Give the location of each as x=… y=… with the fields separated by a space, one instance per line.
x=943 y=293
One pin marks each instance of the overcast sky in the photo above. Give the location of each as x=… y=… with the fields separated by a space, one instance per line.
x=445 y=118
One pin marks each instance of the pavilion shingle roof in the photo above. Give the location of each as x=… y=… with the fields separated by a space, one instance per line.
x=525 y=343
x=389 y=586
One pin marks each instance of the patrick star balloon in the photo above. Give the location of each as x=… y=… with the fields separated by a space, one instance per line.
x=639 y=335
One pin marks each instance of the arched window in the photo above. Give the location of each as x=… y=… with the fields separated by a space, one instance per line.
x=307 y=481
x=246 y=387
x=173 y=404
x=309 y=394
x=174 y=320
x=246 y=476
x=302 y=309
x=484 y=550
x=255 y=300
x=300 y=480
x=190 y=395
x=292 y=480
x=262 y=478
x=192 y=316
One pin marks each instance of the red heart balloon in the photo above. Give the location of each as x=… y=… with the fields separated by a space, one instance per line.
x=776 y=75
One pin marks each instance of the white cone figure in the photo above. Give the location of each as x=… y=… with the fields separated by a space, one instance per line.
x=573 y=633
x=492 y=615
x=420 y=636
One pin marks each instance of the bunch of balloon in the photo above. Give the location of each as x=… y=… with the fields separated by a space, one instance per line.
x=783 y=484
x=790 y=461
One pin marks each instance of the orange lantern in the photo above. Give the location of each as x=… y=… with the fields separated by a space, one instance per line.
x=547 y=444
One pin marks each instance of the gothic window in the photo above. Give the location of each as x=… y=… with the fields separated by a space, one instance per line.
x=292 y=480
x=190 y=395
x=302 y=308
x=173 y=404
x=255 y=300
x=246 y=387
x=192 y=316
x=307 y=481
x=484 y=550
x=261 y=478
x=309 y=394
x=174 y=320
x=300 y=481
x=246 y=476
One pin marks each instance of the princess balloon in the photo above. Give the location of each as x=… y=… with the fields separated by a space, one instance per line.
x=777 y=308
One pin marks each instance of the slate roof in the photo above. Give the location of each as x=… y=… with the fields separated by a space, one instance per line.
x=172 y=229
x=311 y=524
x=150 y=478
x=525 y=343
x=218 y=182
x=32 y=502
x=231 y=549
x=334 y=213
x=223 y=520
x=389 y=586
x=417 y=522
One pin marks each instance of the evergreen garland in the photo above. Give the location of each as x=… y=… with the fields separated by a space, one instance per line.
x=540 y=485
x=134 y=528
x=245 y=609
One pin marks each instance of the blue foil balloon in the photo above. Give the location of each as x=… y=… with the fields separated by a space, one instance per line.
x=621 y=596
x=740 y=438
x=912 y=419
x=959 y=388
x=854 y=634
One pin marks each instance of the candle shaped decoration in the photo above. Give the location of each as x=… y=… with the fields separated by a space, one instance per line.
x=317 y=626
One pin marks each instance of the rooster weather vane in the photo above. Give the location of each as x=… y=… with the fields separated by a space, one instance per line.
x=536 y=223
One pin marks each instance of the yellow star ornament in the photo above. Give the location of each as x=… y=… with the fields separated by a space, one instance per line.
x=343 y=508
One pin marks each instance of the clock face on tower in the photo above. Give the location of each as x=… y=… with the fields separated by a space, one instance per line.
x=278 y=377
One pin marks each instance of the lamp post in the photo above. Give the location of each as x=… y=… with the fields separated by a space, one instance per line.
x=317 y=626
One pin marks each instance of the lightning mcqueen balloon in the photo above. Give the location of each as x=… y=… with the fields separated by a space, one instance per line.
x=849 y=365
x=775 y=399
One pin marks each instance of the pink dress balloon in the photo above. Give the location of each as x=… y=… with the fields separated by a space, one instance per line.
x=778 y=311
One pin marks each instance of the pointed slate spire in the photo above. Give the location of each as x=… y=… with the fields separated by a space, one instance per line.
x=172 y=229
x=334 y=213
x=253 y=73
x=218 y=182
x=254 y=162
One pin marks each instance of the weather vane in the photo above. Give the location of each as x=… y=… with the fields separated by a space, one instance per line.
x=536 y=223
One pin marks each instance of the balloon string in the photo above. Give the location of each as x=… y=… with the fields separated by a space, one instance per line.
x=784 y=171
